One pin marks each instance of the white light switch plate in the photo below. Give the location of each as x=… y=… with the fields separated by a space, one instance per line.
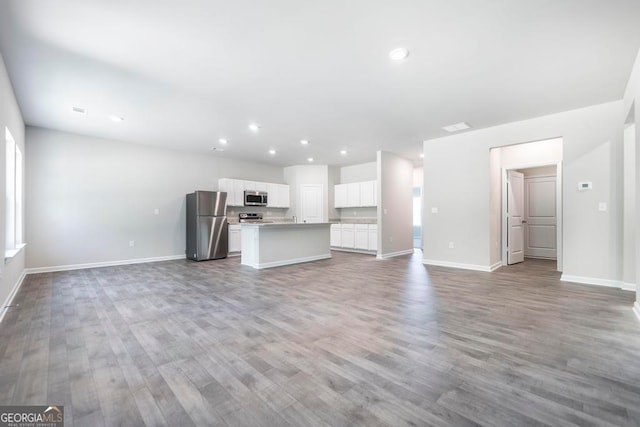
x=434 y=210
x=602 y=206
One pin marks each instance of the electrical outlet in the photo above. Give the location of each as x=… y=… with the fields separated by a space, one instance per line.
x=390 y=238
x=156 y=211
x=132 y=243
x=451 y=245
x=434 y=210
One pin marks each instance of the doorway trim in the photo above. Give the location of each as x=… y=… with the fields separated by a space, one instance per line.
x=503 y=214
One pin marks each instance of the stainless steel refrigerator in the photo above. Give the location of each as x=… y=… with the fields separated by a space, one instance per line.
x=207 y=230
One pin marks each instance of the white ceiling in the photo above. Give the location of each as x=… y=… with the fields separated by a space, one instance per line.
x=185 y=73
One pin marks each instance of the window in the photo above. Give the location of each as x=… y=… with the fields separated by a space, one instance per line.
x=417 y=217
x=14 y=193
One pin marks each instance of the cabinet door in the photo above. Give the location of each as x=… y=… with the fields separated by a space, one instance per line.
x=261 y=186
x=234 y=238
x=283 y=196
x=340 y=196
x=226 y=185
x=373 y=237
x=348 y=236
x=353 y=195
x=336 y=235
x=273 y=195
x=361 y=240
x=250 y=185
x=367 y=193
x=238 y=192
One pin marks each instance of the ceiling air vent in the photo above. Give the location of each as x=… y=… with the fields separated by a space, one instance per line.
x=457 y=127
x=79 y=110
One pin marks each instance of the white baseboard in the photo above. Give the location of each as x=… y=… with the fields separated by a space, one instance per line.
x=11 y=296
x=290 y=261
x=355 y=251
x=636 y=309
x=101 y=264
x=494 y=267
x=394 y=254
x=628 y=286
x=594 y=281
x=459 y=265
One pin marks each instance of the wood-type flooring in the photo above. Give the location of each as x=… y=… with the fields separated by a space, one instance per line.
x=346 y=341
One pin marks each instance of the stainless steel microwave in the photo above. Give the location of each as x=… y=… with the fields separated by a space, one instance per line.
x=255 y=198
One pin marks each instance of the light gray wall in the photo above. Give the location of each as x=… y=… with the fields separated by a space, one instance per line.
x=359 y=173
x=299 y=175
x=88 y=197
x=541 y=171
x=457 y=181
x=631 y=114
x=495 y=206
x=395 y=204
x=334 y=178
x=629 y=244
x=11 y=270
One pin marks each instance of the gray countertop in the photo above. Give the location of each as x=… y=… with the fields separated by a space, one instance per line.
x=283 y=224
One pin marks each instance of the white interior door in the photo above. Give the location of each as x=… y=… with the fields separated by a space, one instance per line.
x=540 y=217
x=515 y=209
x=311 y=203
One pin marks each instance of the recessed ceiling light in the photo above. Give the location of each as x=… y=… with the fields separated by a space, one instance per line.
x=79 y=110
x=222 y=141
x=254 y=127
x=272 y=152
x=457 y=127
x=310 y=159
x=116 y=119
x=422 y=155
x=304 y=142
x=343 y=152
x=399 y=54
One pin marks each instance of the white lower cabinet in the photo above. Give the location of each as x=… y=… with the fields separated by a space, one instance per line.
x=373 y=237
x=336 y=235
x=363 y=237
x=234 y=238
x=347 y=235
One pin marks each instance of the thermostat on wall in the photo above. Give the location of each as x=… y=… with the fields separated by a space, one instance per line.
x=584 y=186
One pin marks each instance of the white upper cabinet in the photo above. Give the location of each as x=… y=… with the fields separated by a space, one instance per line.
x=277 y=194
x=355 y=195
x=368 y=193
x=272 y=195
x=284 y=195
x=340 y=196
x=238 y=192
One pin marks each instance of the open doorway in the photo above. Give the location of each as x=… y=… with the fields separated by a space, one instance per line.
x=531 y=200
x=418 y=177
x=526 y=202
x=417 y=217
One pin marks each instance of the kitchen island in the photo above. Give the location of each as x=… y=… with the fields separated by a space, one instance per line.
x=266 y=245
